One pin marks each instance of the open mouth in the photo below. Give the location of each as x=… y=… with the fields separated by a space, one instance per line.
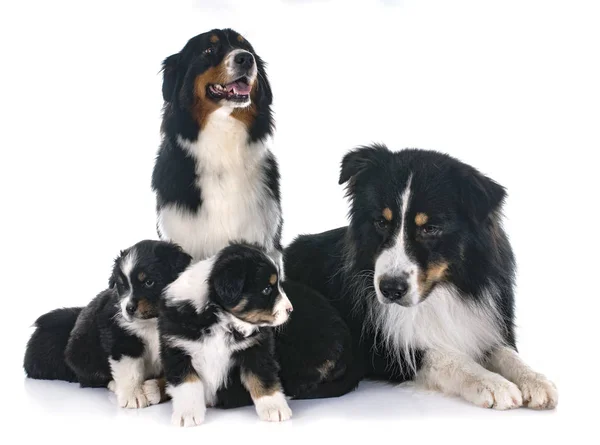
x=236 y=91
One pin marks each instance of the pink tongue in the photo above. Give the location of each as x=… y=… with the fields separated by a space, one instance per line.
x=239 y=88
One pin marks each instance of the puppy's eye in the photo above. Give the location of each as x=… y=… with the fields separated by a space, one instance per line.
x=208 y=51
x=148 y=284
x=267 y=290
x=430 y=230
x=381 y=224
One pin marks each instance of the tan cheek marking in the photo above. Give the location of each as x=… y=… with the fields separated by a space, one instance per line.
x=240 y=38
x=240 y=306
x=387 y=214
x=256 y=387
x=214 y=39
x=273 y=279
x=141 y=276
x=434 y=274
x=204 y=106
x=257 y=316
x=421 y=219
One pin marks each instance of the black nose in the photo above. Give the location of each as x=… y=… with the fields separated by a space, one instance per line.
x=393 y=288
x=131 y=307
x=244 y=60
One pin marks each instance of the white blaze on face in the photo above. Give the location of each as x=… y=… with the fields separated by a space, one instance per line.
x=281 y=308
x=127 y=266
x=393 y=261
x=231 y=65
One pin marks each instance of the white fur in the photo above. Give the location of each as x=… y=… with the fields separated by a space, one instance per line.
x=232 y=69
x=211 y=355
x=443 y=321
x=147 y=330
x=273 y=408
x=128 y=375
x=458 y=374
x=538 y=392
x=192 y=285
x=281 y=308
x=127 y=266
x=394 y=261
x=189 y=407
x=236 y=202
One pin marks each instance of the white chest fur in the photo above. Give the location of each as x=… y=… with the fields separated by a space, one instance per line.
x=147 y=330
x=443 y=321
x=211 y=358
x=236 y=203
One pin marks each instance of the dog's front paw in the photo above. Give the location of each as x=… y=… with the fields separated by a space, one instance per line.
x=189 y=417
x=273 y=408
x=131 y=398
x=497 y=393
x=153 y=391
x=538 y=392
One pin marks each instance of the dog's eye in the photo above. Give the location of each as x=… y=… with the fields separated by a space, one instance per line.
x=208 y=51
x=381 y=224
x=148 y=284
x=267 y=290
x=430 y=230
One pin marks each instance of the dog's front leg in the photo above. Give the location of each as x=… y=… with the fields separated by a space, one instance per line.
x=457 y=374
x=538 y=392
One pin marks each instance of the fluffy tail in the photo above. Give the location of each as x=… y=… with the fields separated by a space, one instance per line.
x=45 y=353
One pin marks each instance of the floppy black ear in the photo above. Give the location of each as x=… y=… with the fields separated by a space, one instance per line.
x=480 y=195
x=174 y=256
x=358 y=160
x=228 y=282
x=170 y=77
x=265 y=95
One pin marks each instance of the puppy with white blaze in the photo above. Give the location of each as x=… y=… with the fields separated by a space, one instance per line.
x=216 y=320
x=424 y=276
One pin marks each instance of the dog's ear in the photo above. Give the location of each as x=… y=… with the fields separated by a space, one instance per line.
x=263 y=90
x=173 y=255
x=358 y=160
x=228 y=282
x=479 y=195
x=170 y=69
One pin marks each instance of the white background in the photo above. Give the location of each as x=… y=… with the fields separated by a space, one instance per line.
x=511 y=87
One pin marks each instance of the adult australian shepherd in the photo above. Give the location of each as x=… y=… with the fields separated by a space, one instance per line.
x=216 y=181
x=424 y=276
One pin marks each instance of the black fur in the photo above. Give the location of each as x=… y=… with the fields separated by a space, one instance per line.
x=463 y=230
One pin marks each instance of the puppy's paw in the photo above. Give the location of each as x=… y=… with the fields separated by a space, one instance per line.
x=152 y=391
x=538 y=392
x=112 y=386
x=273 y=408
x=497 y=393
x=189 y=417
x=131 y=398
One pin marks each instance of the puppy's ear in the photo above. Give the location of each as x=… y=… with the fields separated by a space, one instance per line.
x=170 y=77
x=358 y=160
x=228 y=282
x=173 y=255
x=479 y=195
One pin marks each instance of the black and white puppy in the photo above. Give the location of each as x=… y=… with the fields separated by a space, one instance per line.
x=217 y=318
x=215 y=179
x=424 y=276
x=114 y=342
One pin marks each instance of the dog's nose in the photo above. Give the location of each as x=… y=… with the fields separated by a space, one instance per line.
x=131 y=308
x=289 y=309
x=244 y=60
x=393 y=288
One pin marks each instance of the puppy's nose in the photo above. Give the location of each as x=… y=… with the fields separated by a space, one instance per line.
x=289 y=309
x=393 y=288
x=131 y=308
x=244 y=59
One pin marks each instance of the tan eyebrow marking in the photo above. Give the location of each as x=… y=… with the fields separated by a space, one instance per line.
x=141 y=276
x=421 y=218
x=387 y=214
x=214 y=39
x=240 y=38
x=273 y=279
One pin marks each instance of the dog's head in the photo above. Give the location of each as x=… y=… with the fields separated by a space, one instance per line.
x=141 y=273
x=415 y=216
x=217 y=69
x=245 y=282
